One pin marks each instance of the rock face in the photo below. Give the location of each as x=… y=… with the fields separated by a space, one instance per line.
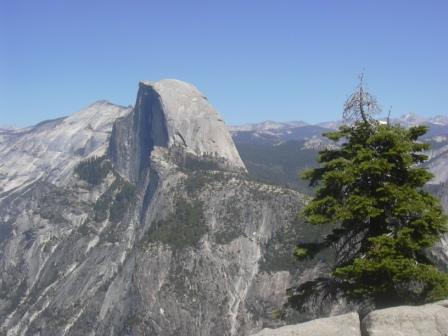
x=176 y=116
x=143 y=222
x=192 y=123
x=438 y=164
x=342 y=325
x=52 y=148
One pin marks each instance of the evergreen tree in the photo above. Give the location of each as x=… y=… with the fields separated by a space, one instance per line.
x=370 y=190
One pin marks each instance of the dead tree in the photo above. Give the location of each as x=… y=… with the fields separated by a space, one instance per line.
x=361 y=105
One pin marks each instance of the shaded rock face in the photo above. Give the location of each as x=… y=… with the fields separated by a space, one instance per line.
x=162 y=233
x=134 y=137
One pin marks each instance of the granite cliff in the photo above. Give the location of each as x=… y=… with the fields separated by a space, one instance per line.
x=143 y=221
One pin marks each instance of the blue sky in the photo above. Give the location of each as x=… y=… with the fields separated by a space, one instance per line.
x=254 y=59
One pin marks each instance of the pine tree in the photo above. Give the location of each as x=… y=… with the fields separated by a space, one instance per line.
x=370 y=190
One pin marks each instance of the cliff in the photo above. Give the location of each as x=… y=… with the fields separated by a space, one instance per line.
x=140 y=222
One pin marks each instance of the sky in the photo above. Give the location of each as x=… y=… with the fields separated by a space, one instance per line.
x=255 y=60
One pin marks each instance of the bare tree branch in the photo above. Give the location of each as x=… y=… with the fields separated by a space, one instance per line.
x=361 y=105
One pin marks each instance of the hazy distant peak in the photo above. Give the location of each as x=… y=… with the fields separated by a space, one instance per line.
x=7 y=127
x=408 y=119
x=440 y=120
x=412 y=119
x=267 y=125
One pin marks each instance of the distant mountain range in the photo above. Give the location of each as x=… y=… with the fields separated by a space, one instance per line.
x=274 y=132
x=278 y=151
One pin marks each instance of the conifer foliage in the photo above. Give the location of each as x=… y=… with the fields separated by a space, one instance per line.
x=370 y=190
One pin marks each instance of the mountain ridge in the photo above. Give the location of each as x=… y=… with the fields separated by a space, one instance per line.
x=144 y=232
x=405 y=119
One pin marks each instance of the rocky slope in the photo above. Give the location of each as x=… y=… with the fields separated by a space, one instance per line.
x=52 y=148
x=140 y=222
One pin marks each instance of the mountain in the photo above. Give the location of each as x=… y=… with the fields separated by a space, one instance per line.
x=53 y=147
x=181 y=120
x=141 y=221
x=412 y=119
x=271 y=132
x=156 y=220
x=275 y=152
x=267 y=125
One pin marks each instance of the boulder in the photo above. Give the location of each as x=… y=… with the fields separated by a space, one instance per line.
x=426 y=320
x=342 y=325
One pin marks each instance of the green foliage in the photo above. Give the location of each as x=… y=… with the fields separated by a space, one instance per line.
x=93 y=170
x=278 y=163
x=300 y=252
x=184 y=228
x=52 y=204
x=276 y=314
x=199 y=179
x=280 y=248
x=232 y=222
x=393 y=277
x=122 y=200
x=200 y=163
x=101 y=207
x=370 y=190
x=114 y=203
